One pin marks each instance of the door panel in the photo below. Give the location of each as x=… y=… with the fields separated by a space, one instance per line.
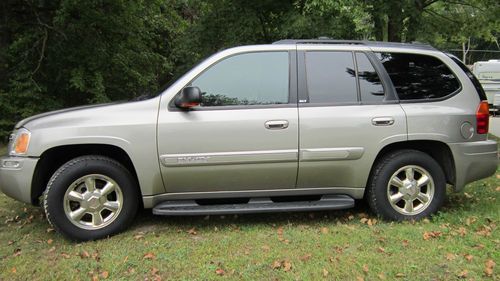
x=338 y=144
x=225 y=150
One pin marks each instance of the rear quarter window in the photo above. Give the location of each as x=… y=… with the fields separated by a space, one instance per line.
x=419 y=77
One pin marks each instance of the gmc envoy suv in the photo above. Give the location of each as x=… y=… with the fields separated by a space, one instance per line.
x=297 y=125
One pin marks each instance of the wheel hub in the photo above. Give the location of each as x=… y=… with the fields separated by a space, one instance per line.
x=410 y=190
x=93 y=201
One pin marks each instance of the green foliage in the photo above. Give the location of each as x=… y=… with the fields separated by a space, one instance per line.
x=63 y=53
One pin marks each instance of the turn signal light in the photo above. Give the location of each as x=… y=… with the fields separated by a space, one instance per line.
x=21 y=145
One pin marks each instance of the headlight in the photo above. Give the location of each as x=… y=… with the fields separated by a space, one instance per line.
x=19 y=142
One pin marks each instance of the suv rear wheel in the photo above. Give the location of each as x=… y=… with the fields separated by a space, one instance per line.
x=91 y=197
x=406 y=185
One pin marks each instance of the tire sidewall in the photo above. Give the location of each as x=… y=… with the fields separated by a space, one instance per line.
x=80 y=167
x=388 y=167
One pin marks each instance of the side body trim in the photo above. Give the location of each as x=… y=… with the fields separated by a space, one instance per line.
x=328 y=154
x=228 y=158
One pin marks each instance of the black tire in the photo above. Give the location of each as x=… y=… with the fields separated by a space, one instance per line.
x=378 y=189
x=61 y=182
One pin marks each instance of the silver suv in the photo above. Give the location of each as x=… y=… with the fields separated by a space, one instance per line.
x=293 y=126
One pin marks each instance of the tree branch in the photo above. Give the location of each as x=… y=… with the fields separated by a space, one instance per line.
x=42 y=53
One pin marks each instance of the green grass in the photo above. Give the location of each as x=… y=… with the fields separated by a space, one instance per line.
x=336 y=244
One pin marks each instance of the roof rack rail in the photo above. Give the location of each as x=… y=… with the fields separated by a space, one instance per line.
x=326 y=40
x=321 y=40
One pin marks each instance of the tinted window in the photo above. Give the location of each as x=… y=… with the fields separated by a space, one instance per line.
x=369 y=82
x=331 y=77
x=246 y=79
x=473 y=79
x=419 y=76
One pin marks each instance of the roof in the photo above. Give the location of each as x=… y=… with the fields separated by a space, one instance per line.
x=413 y=45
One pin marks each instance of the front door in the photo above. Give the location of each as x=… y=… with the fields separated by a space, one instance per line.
x=244 y=135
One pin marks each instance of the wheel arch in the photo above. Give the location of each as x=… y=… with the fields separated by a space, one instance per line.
x=53 y=158
x=438 y=150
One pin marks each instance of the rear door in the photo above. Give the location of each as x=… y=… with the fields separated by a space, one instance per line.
x=244 y=136
x=348 y=113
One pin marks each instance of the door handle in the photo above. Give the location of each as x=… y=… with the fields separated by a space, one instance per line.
x=276 y=124
x=383 y=121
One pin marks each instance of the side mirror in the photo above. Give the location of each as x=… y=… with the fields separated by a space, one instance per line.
x=189 y=97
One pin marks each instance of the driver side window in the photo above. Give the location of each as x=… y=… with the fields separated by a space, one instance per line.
x=260 y=78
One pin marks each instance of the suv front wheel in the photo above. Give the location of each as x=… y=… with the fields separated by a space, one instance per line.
x=406 y=185
x=91 y=197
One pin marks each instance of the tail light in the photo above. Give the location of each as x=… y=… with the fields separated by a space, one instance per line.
x=482 y=118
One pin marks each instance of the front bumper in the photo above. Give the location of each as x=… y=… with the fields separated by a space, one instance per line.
x=16 y=174
x=474 y=161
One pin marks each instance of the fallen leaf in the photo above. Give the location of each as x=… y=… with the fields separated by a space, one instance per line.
x=498 y=188
x=381 y=250
x=220 y=271
x=450 y=256
x=325 y=272
x=405 y=243
x=138 y=236
x=324 y=230
x=266 y=248
x=381 y=276
x=484 y=231
x=488 y=267
x=468 y=195
x=276 y=264
x=149 y=256
x=371 y=222
x=359 y=278
x=287 y=266
x=400 y=275
x=49 y=230
x=365 y=268
x=192 y=231
x=64 y=255
x=13 y=270
x=468 y=257
x=479 y=246
x=84 y=254
x=350 y=217
x=104 y=274
x=96 y=256
x=462 y=231
x=463 y=274
x=10 y=242
x=306 y=257
x=363 y=220
x=280 y=231
x=154 y=271
x=432 y=234
x=17 y=252
x=470 y=220
x=52 y=249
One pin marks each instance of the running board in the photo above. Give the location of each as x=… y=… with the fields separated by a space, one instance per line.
x=255 y=205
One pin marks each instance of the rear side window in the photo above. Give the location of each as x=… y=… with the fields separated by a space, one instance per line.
x=331 y=77
x=370 y=86
x=473 y=79
x=419 y=77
